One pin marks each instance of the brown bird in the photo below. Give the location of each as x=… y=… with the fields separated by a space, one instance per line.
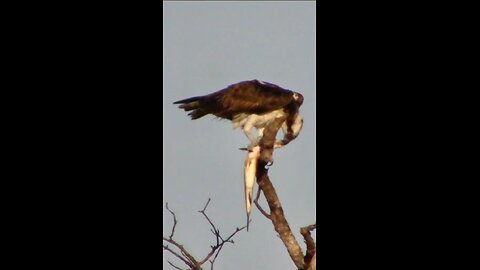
x=251 y=104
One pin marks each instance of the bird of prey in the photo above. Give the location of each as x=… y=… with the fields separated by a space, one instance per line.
x=251 y=104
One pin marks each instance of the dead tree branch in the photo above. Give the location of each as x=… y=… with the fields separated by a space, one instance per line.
x=176 y=267
x=185 y=256
x=311 y=248
x=174 y=220
x=166 y=247
x=259 y=191
x=277 y=216
x=220 y=241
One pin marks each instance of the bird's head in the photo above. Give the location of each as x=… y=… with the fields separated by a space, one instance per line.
x=298 y=98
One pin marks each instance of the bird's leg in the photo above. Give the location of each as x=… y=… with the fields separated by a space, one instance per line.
x=282 y=143
x=290 y=133
x=287 y=139
x=278 y=144
x=260 y=133
x=260 y=136
x=247 y=129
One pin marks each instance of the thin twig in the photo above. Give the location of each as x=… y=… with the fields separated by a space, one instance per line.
x=307 y=229
x=177 y=255
x=174 y=220
x=260 y=207
x=219 y=239
x=228 y=240
x=185 y=256
x=185 y=253
x=174 y=265
x=205 y=215
x=206 y=205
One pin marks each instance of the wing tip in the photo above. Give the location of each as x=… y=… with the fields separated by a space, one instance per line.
x=187 y=100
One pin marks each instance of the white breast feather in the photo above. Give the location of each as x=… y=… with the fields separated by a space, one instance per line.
x=259 y=120
x=297 y=125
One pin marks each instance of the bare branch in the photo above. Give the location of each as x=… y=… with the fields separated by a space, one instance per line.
x=277 y=216
x=219 y=240
x=192 y=262
x=279 y=222
x=177 y=255
x=311 y=248
x=260 y=207
x=174 y=265
x=206 y=205
x=228 y=240
x=309 y=228
x=174 y=220
x=208 y=219
x=186 y=258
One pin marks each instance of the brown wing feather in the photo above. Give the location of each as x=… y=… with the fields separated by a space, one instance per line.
x=193 y=104
x=243 y=97
x=249 y=97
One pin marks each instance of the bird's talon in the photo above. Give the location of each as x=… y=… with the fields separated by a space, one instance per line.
x=278 y=145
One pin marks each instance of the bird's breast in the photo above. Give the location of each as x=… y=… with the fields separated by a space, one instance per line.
x=257 y=120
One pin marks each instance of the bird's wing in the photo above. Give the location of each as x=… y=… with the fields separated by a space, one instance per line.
x=248 y=97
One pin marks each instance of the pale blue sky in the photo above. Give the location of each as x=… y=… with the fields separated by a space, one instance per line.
x=207 y=46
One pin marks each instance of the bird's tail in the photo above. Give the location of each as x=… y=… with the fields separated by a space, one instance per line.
x=192 y=104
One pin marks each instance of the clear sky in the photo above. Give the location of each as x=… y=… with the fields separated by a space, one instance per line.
x=206 y=47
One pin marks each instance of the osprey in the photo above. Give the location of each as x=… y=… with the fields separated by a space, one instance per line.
x=251 y=104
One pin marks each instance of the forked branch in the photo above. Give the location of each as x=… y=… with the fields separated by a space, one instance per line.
x=259 y=191
x=185 y=256
x=276 y=212
x=311 y=248
x=219 y=239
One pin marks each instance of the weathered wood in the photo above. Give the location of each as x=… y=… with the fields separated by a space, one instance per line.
x=311 y=248
x=277 y=216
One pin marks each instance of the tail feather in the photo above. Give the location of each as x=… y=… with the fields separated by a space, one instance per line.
x=197 y=114
x=192 y=104
x=187 y=100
